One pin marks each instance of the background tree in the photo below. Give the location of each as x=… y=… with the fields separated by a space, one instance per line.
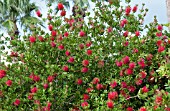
x=17 y=11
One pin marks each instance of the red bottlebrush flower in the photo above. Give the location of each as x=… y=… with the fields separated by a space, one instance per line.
x=53 y=44
x=79 y=81
x=8 y=82
x=145 y=89
x=126 y=43
x=159 y=27
x=110 y=104
x=36 y=78
x=67 y=53
x=158 y=100
x=85 y=62
x=127 y=10
x=119 y=63
x=81 y=46
x=167 y=109
x=66 y=34
x=84 y=104
x=149 y=57
x=125 y=34
x=143 y=74
x=32 y=39
x=141 y=63
x=71 y=60
x=61 y=47
x=82 y=33
x=30 y=96
x=121 y=73
x=99 y=86
x=135 y=9
x=53 y=33
x=122 y=24
x=60 y=6
x=85 y=97
x=125 y=21
x=84 y=69
x=89 y=90
x=142 y=109
x=95 y=80
x=135 y=50
x=88 y=44
x=41 y=38
x=34 y=90
x=65 y=68
x=63 y=13
x=112 y=95
x=129 y=71
x=2 y=73
x=131 y=88
x=113 y=84
x=132 y=65
x=50 y=78
x=161 y=49
x=159 y=42
x=159 y=34
x=52 y=38
x=129 y=109
x=126 y=60
x=89 y=52
x=123 y=85
x=138 y=81
x=17 y=102
x=109 y=29
x=38 y=13
x=45 y=86
x=50 y=27
x=137 y=33
x=101 y=63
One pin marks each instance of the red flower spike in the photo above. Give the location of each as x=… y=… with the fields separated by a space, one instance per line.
x=82 y=34
x=84 y=104
x=17 y=102
x=65 y=68
x=110 y=104
x=112 y=95
x=60 y=6
x=63 y=13
x=2 y=73
x=50 y=27
x=53 y=44
x=67 y=53
x=38 y=13
x=142 y=109
x=95 y=80
x=129 y=109
x=53 y=33
x=89 y=52
x=71 y=60
x=32 y=39
x=85 y=62
x=86 y=97
x=61 y=47
x=79 y=81
x=34 y=90
x=145 y=89
x=135 y=9
x=84 y=70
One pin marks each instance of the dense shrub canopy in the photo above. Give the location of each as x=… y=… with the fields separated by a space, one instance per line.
x=106 y=63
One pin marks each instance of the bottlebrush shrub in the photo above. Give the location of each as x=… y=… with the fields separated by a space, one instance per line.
x=93 y=70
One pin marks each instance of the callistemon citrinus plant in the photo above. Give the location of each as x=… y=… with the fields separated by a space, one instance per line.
x=109 y=61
